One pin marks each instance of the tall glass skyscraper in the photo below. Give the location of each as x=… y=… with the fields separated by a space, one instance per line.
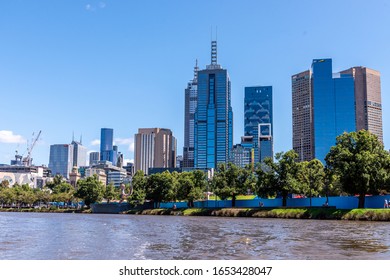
x=259 y=120
x=323 y=108
x=107 y=152
x=191 y=100
x=61 y=159
x=214 y=116
x=79 y=154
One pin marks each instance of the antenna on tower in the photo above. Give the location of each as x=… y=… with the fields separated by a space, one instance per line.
x=214 y=62
x=81 y=139
x=196 y=69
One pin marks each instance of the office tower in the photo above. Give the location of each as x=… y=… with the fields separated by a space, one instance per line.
x=79 y=154
x=259 y=120
x=190 y=104
x=154 y=147
x=332 y=104
x=106 y=145
x=94 y=158
x=243 y=154
x=302 y=115
x=214 y=116
x=367 y=100
x=61 y=159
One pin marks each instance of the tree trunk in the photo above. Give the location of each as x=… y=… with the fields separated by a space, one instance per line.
x=362 y=198
x=234 y=200
x=284 y=203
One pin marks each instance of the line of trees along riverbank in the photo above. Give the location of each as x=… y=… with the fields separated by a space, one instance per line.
x=356 y=165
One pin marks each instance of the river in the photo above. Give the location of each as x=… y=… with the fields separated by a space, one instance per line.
x=55 y=236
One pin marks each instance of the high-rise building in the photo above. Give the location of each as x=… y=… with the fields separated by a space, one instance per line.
x=94 y=158
x=214 y=116
x=190 y=104
x=302 y=115
x=324 y=106
x=61 y=159
x=79 y=154
x=107 y=152
x=259 y=120
x=368 y=101
x=154 y=147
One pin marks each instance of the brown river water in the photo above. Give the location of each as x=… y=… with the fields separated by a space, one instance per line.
x=52 y=236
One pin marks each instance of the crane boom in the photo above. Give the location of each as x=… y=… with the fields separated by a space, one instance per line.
x=27 y=161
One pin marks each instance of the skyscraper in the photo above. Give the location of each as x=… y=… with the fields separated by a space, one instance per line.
x=214 y=116
x=107 y=152
x=368 y=100
x=94 y=158
x=154 y=147
x=79 y=154
x=61 y=159
x=190 y=104
x=302 y=115
x=323 y=108
x=259 y=120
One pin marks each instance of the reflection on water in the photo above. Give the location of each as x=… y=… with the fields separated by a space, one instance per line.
x=78 y=236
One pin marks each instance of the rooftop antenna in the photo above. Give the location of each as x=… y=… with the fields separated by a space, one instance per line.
x=81 y=139
x=73 y=136
x=214 y=62
x=196 y=69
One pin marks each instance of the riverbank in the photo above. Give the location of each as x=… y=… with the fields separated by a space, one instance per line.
x=46 y=210
x=320 y=213
x=285 y=213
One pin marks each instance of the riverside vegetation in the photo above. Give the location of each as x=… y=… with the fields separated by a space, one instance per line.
x=357 y=164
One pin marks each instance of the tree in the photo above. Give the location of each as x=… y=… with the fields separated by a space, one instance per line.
x=312 y=176
x=90 y=190
x=279 y=177
x=7 y=196
x=4 y=184
x=138 y=184
x=159 y=187
x=190 y=188
x=110 y=192
x=361 y=163
x=230 y=181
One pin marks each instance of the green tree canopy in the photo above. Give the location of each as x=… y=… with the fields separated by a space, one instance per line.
x=361 y=163
x=159 y=187
x=279 y=177
x=311 y=177
x=90 y=190
x=138 y=184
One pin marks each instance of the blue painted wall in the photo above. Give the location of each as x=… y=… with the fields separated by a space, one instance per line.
x=340 y=202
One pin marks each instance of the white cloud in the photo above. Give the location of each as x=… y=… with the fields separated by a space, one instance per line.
x=102 y=5
x=7 y=136
x=95 y=142
x=90 y=8
x=125 y=141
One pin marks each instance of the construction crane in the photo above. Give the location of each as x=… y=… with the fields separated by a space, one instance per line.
x=27 y=161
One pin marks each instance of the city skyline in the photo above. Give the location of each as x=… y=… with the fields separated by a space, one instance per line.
x=105 y=68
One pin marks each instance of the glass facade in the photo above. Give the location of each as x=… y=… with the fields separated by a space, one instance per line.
x=213 y=119
x=190 y=104
x=259 y=118
x=61 y=159
x=107 y=152
x=333 y=105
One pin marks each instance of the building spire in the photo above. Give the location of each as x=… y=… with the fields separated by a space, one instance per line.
x=196 y=69
x=213 y=52
x=214 y=62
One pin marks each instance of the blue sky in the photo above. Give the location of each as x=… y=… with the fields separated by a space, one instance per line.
x=77 y=66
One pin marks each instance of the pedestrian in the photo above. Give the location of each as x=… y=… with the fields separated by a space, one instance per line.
x=386 y=204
